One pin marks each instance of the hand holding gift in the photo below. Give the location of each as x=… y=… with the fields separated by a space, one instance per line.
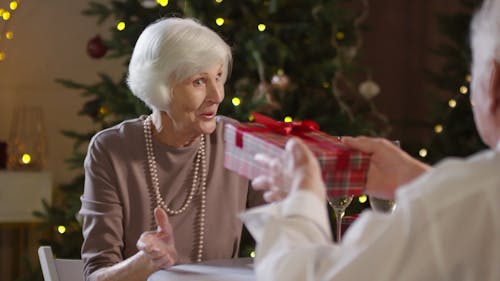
x=298 y=169
x=343 y=169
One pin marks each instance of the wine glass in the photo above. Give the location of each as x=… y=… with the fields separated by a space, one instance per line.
x=380 y=204
x=339 y=205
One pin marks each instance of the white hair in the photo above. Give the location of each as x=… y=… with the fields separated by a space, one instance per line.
x=485 y=36
x=167 y=52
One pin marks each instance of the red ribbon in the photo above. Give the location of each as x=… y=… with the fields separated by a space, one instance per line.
x=285 y=128
x=297 y=128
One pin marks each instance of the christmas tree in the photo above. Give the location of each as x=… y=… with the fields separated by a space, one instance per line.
x=451 y=124
x=292 y=60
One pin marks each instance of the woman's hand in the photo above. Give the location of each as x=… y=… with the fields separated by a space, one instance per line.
x=159 y=245
x=298 y=169
x=390 y=167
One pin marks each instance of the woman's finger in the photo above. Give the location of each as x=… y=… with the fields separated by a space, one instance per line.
x=162 y=222
x=268 y=162
x=262 y=183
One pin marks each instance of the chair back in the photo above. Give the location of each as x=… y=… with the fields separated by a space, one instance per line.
x=59 y=269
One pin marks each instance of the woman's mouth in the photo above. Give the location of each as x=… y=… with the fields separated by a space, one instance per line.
x=208 y=115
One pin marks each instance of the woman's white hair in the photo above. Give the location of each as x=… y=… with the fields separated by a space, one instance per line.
x=485 y=36
x=167 y=52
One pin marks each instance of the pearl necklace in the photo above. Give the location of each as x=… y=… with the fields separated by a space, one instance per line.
x=153 y=171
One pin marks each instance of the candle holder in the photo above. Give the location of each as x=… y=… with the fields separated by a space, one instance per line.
x=27 y=145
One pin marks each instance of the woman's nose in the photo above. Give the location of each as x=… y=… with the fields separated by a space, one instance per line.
x=215 y=92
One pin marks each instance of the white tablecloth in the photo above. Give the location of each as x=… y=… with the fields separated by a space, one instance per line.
x=240 y=269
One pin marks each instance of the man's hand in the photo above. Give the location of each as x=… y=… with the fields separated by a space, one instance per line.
x=390 y=167
x=298 y=169
x=159 y=245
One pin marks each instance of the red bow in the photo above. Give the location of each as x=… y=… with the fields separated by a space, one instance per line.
x=285 y=128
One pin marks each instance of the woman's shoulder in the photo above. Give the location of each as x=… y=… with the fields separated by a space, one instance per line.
x=127 y=131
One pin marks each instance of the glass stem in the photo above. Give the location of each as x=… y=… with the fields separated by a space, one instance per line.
x=339 y=214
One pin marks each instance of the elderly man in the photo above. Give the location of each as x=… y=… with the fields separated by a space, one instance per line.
x=446 y=225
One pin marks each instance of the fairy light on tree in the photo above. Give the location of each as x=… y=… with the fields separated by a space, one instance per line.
x=6 y=15
x=268 y=77
x=451 y=131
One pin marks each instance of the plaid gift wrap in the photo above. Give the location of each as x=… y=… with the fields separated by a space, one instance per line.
x=344 y=170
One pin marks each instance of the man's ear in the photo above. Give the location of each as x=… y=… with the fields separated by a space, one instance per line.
x=494 y=89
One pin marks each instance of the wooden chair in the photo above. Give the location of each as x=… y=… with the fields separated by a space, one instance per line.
x=59 y=269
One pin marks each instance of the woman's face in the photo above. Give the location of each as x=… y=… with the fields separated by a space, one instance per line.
x=195 y=100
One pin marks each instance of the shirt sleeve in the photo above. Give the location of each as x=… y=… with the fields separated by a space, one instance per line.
x=294 y=242
x=101 y=212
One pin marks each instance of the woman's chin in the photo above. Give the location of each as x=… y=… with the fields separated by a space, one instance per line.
x=208 y=127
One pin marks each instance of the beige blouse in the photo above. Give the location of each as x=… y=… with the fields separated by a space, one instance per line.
x=117 y=204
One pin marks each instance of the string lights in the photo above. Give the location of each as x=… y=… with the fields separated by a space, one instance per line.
x=236 y=101
x=6 y=15
x=120 y=26
x=452 y=104
x=219 y=21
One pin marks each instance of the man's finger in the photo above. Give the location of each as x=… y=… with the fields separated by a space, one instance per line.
x=363 y=144
x=300 y=151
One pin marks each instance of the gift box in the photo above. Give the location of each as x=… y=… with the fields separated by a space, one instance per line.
x=344 y=169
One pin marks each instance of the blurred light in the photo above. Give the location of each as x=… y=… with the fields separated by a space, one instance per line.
x=452 y=103
x=468 y=78
x=463 y=90
x=250 y=117
x=326 y=84
x=26 y=158
x=2 y=56
x=340 y=35
x=422 y=152
x=6 y=15
x=252 y=254
x=362 y=198
x=219 y=21
x=163 y=3
x=103 y=110
x=120 y=26
x=9 y=34
x=438 y=128
x=288 y=119
x=13 y=5
x=61 y=229
x=261 y=27
x=218 y=1
x=236 y=101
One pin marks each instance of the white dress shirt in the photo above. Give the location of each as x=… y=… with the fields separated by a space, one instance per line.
x=446 y=227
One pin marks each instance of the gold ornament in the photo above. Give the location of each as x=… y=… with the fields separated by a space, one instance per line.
x=280 y=80
x=369 y=89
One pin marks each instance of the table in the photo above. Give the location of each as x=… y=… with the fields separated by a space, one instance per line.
x=21 y=193
x=240 y=269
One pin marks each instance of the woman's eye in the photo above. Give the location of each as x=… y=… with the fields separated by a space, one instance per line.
x=219 y=76
x=198 y=82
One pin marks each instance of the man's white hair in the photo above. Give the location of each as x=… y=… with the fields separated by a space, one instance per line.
x=485 y=36
x=167 y=52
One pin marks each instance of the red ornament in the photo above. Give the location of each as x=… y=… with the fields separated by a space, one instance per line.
x=96 y=48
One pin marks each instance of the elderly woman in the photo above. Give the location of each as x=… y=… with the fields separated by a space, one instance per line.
x=159 y=177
